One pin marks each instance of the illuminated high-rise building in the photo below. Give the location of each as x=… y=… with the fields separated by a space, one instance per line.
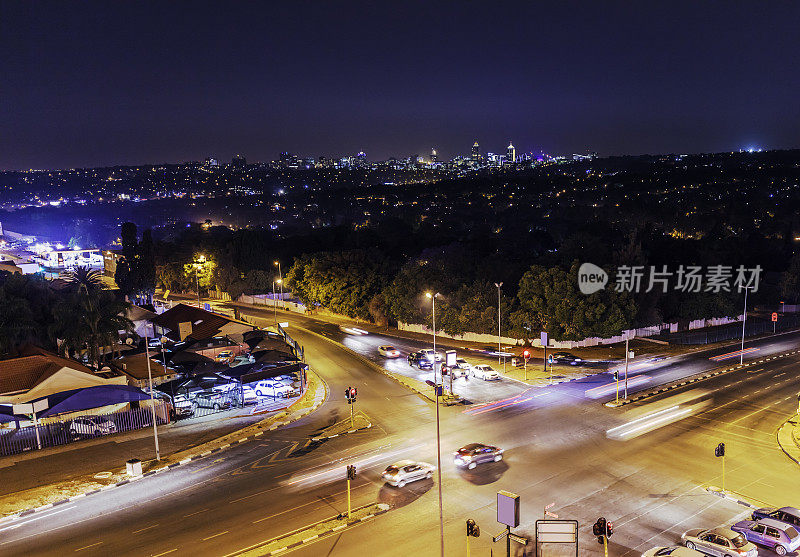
x=511 y=154
x=434 y=156
x=476 y=151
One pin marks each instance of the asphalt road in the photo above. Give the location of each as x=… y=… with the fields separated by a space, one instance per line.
x=557 y=450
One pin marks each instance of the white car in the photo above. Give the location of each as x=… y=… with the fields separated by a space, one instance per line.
x=275 y=389
x=461 y=363
x=388 y=351
x=485 y=372
x=673 y=551
x=248 y=394
x=92 y=425
x=182 y=406
x=431 y=355
x=407 y=471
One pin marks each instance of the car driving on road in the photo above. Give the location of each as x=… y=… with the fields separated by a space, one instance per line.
x=781 y=537
x=674 y=551
x=407 y=471
x=431 y=355
x=469 y=456
x=566 y=358
x=461 y=363
x=485 y=372
x=720 y=542
x=388 y=351
x=419 y=360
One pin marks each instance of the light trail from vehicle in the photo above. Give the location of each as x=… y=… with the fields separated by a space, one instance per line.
x=729 y=355
x=604 y=390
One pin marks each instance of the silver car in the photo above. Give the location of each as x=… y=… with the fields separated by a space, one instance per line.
x=407 y=471
x=720 y=542
x=674 y=551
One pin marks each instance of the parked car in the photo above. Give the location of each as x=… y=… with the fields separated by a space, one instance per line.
x=721 y=542
x=246 y=393
x=779 y=536
x=789 y=515
x=485 y=372
x=388 y=351
x=182 y=407
x=673 y=551
x=566 y=358
x=224 y=357
x=92 y=425
x=431 y=355
x=419 y=360
x=407 y=471
x=275 y=389
x=210 y=399
x=469 y=456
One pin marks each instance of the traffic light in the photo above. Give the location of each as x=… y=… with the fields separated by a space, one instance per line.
x=609 y=529
x=526 y=354
x=350 y=394
x=351 y=472
x=720 y=450
x=473 y=529
x=616 y=376
x=599 y=529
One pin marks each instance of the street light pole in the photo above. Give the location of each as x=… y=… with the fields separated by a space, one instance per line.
x=498 y=285
x=280 y=282
x=152 y=402
x=438 y=435
x=274 y=303
x=744 y=321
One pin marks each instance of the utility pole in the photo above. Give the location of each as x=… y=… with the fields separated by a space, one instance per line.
x=280 y=282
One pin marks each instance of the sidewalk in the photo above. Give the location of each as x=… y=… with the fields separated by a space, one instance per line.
x=43 y=477
x=789 y=438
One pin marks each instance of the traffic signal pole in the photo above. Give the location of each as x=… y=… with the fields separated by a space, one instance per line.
x=605 y=545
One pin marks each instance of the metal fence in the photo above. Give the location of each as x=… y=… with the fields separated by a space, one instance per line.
x=75 y=427
x=734 y=331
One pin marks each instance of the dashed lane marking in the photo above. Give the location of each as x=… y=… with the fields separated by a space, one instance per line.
x=143 y=529
x=216 y=535
x=88 y=546
x=194 y=513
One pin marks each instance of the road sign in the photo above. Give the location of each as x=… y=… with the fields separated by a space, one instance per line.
x=450 y=358
x=557 y=531
x=550 y=506
x=551 y=515
x=518 y=539
x=543 y=338
x=774 y=317
x=499 y=536
x=508 y=508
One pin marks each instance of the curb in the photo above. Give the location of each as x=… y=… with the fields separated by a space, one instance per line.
x=723 y=495
x=696 y=378
x=338 y=434
x=186 y=460
x=315 y=537
x=785 y=432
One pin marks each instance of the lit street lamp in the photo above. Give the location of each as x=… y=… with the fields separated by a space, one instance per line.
x=280 y=282
x=438 y=438
x=198 y=264
x=274 y=301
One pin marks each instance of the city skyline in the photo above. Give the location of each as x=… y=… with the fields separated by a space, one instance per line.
x=92 y=85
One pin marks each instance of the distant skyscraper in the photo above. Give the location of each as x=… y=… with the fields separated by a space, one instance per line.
x=238 y=162
x=476 y=151
x=434 y=156
x=511 y=155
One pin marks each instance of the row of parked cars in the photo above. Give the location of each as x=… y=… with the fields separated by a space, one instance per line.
x=777 y=529
x=222 y=397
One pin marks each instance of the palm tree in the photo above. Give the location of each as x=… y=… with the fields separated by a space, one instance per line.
x=85 y=279
x=88 y=320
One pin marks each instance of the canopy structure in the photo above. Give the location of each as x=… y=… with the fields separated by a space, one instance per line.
x=248 y=373
x=92 y=397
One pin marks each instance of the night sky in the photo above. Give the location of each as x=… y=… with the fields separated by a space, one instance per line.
x=89 y=84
